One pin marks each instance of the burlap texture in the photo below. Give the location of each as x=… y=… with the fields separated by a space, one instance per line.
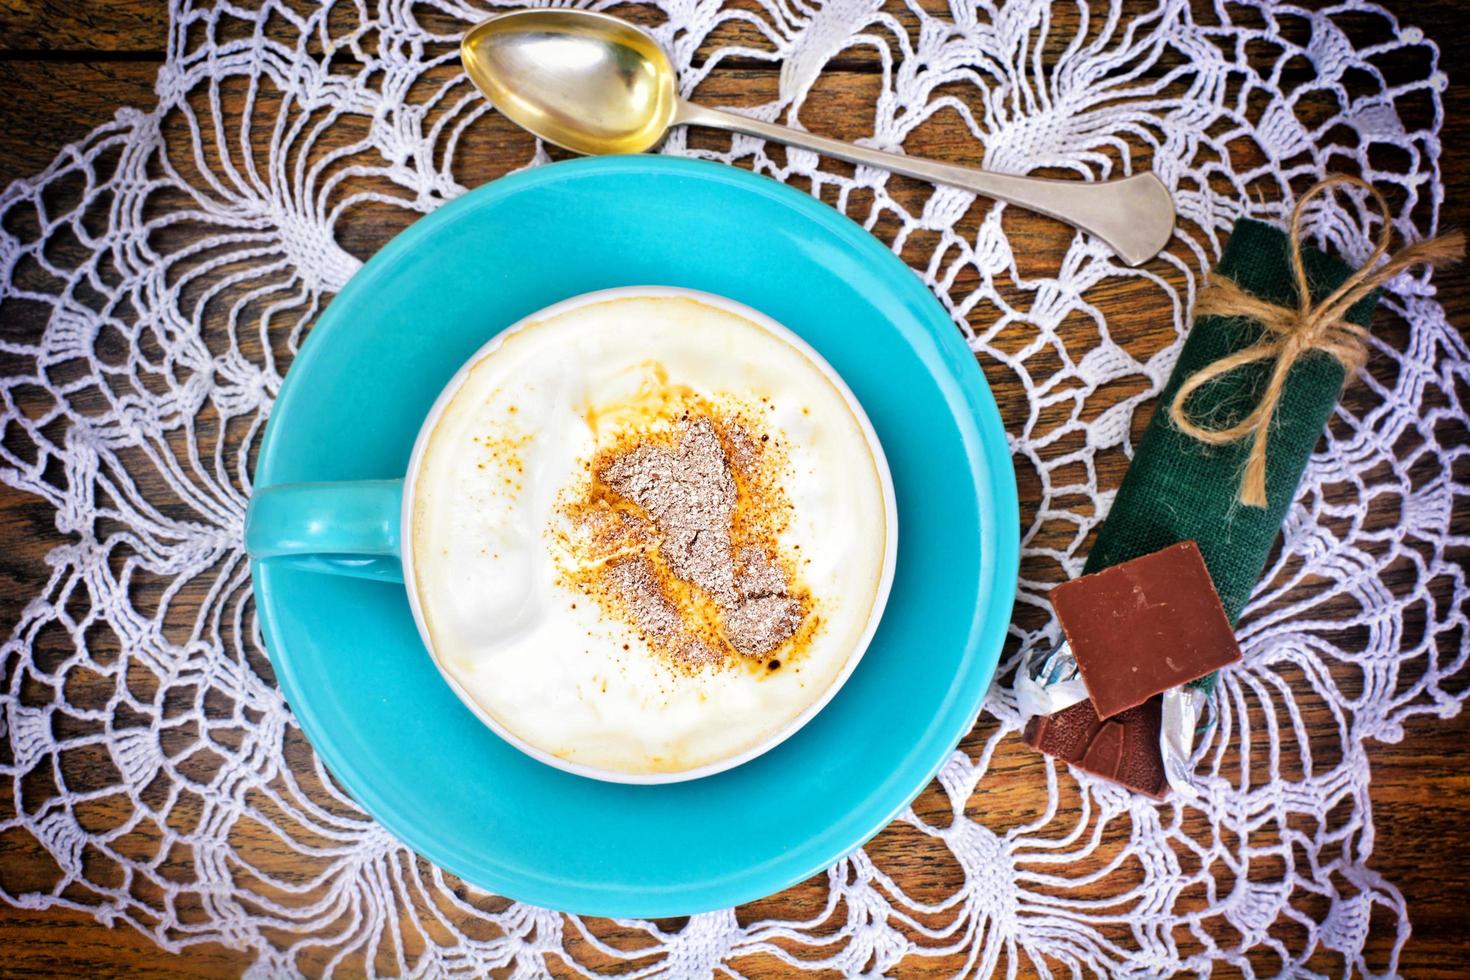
x=1178 y=489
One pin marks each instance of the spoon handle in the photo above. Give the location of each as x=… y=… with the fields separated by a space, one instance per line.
x=1135 y=215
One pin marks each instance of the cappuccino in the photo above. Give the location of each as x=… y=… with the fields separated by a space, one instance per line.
x=651 y=533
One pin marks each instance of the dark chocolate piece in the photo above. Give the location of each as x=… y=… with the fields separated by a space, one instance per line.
x=1145 y=626
x=1123 y=749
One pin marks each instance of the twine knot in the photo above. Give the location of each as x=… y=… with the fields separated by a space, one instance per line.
x=1290 y=333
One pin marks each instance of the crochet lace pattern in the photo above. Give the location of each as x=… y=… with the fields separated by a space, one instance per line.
x=172 y=261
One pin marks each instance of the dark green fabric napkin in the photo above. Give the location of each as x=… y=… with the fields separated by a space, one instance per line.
x=1178 y=489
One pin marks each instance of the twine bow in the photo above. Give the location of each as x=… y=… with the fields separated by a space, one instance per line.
x=1291 y=333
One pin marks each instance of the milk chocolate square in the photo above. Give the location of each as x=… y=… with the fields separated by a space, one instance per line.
x=1144 y=626
x=1124 y=748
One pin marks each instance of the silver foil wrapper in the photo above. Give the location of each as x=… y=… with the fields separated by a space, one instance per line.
x=1049 y=681
x=1189 y=712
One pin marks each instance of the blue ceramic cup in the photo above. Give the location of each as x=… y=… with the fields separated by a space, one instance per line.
x=362 y=528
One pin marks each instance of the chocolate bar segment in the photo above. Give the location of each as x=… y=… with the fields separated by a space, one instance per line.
x=1123 y=749
x=1142 y=627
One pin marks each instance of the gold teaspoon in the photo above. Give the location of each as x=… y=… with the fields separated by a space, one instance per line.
x=595 y=84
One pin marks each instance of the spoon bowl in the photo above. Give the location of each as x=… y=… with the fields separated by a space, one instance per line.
x=585 y=81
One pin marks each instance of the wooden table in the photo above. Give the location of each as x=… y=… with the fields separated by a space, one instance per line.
x=66 y=68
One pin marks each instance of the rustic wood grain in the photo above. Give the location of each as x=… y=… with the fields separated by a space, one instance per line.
x=34 y=28
x=66 y=68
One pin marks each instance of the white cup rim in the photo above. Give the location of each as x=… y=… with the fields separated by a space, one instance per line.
x=875 y=612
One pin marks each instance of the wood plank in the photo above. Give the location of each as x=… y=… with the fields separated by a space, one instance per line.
x=63 y=102
x=62 y=942
x=112 y=26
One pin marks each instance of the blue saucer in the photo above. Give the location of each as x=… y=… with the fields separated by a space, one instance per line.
x=363 y=688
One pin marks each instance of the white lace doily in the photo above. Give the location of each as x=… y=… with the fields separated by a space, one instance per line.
x=177 y=257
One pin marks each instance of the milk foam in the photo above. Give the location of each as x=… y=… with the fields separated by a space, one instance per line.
x=546 y=664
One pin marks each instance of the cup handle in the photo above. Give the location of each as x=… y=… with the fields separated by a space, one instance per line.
x=349 y=528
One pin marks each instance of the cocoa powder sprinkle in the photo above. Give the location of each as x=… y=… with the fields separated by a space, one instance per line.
x=638 y=585
x=689 y=495
x=744 y=450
